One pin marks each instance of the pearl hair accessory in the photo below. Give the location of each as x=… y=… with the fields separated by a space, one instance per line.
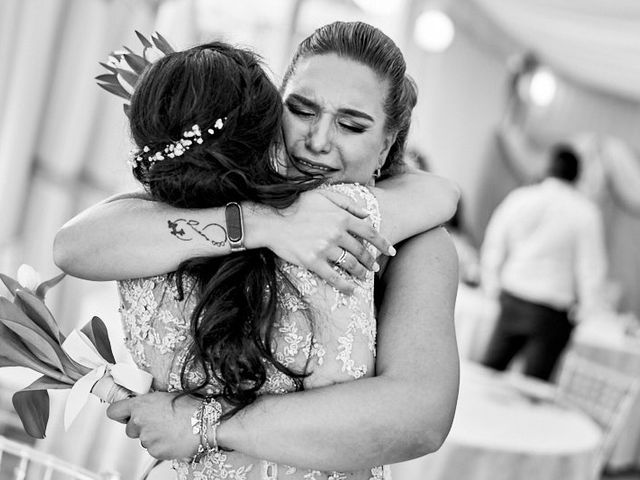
x=177 y=148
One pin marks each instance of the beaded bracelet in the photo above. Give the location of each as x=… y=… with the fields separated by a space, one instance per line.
x=204 y=419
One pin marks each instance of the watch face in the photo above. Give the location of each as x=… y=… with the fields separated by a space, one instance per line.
x=234 y=233
x=233 y=216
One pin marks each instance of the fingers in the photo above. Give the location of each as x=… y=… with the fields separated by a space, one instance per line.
x=360 y=228
x=120 y=411
x=333 y=278
x=357 y=260
x=345 y=203
x=147 y=442
x=367 y=232
x=132 y=429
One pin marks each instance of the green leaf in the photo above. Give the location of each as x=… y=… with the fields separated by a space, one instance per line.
x=129 y=77
x=107 y=78
x=14 y=352
x=47 y=383
x=37 y=311
x=145 y=43
x=116 y=90
x=111 y=68
x=32 y=407
x=32 y=335
x=44 y=287
x=161 y=43
x=135 y=61
x=7 y=362
x=45 y=348
x=11 y=284
x=97 y=332
x=36 y=341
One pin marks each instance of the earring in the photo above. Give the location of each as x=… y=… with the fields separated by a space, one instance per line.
x=377 y=173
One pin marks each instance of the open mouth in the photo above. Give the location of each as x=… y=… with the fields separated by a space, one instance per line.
x=308 y=165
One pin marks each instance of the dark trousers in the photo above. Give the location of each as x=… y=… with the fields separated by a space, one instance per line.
x=539 y=331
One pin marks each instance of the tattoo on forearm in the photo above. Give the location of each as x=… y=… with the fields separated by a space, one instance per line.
x=184 y=230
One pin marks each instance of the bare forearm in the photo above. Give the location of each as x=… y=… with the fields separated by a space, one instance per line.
x=404 y=412
x=415 y=202
x=128 y=238
x=338 y=427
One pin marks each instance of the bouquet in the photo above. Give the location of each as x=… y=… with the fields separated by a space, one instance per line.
x=83 y=361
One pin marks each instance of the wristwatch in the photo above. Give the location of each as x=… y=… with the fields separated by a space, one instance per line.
x=235 y=226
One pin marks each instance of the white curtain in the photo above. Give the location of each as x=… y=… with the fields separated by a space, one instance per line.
x=63 y=146
x=595 y=42
x=30 y=31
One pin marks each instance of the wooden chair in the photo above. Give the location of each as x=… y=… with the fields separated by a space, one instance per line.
x=19 y=461
x=603 y=394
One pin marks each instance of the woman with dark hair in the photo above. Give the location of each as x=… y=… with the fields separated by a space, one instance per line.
x=339 y=126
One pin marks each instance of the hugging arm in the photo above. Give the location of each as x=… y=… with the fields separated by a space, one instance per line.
x=404 y=412
x=130 y=236
x=414 y=202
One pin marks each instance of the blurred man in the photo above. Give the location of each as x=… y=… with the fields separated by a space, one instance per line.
x=542 y=256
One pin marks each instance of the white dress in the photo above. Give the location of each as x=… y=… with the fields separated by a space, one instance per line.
x=338 y=346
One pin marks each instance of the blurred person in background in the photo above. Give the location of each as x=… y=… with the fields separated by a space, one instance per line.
x=543 y=256
x=351 y=425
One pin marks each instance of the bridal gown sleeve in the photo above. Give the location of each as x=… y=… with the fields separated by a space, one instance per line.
x=320 y=331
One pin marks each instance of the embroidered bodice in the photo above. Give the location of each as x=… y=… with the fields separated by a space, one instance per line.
x=335 y=343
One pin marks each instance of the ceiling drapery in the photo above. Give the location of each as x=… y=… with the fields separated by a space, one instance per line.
x=596 y=42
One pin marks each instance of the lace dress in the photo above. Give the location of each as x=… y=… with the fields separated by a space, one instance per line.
x=338 y=347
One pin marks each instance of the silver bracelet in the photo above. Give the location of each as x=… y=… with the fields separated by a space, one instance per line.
x=205 y=420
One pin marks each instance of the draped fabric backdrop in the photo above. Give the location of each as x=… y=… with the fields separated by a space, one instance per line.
x=593 y=48
x=63 y=146
x=595 y=42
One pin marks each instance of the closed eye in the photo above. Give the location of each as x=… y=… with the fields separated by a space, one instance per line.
x=352 y=128
x=298 y=110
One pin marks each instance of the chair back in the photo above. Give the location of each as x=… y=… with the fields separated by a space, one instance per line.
x=19 y=462
x=602 y=393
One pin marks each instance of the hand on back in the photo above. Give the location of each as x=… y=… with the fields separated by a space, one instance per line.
x=314 y=232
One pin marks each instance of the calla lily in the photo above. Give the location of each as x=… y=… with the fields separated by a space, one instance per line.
x=28 y=277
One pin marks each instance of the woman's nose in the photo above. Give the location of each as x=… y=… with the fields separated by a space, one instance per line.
x=320 y=136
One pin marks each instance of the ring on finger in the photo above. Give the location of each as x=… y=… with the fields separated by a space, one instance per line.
x=341 y=258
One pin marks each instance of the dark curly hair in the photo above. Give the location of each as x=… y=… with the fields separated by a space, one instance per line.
x=369 y=46
x=237 y=294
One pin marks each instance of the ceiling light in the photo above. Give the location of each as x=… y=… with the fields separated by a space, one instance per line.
x=433 y=31
x=543 y=86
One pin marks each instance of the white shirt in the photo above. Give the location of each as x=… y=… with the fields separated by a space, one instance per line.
x=545 y=243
